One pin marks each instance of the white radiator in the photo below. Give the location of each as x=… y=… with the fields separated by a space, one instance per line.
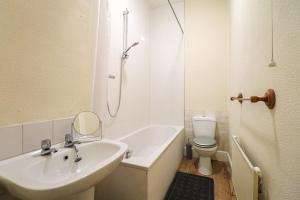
x=245 y=176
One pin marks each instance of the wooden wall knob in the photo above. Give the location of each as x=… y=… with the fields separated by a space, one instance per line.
x=269 y=98
x=255 y=99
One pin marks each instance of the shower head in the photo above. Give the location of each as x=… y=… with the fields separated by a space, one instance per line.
x=133 y=45
x=125 y=53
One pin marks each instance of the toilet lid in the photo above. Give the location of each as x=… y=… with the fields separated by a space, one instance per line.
x=204 y=141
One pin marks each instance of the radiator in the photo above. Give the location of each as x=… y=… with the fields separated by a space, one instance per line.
x=245 y=177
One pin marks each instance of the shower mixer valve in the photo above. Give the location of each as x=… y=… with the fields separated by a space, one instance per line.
x=111 y=76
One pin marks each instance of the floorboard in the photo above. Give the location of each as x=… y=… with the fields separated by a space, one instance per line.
x=221 y=176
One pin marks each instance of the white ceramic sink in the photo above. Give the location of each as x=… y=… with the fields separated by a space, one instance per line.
x=35 y=177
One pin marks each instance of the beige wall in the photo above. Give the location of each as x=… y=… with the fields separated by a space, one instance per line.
x=206 y=63
x=206 y=54
x=270 y=137
x=46 y=59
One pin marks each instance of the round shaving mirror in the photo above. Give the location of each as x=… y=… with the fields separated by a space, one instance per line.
x=86 y=123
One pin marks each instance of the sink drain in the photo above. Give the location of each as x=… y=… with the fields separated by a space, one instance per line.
x=66 y=157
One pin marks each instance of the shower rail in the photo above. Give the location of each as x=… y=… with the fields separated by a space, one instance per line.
x=172 y=8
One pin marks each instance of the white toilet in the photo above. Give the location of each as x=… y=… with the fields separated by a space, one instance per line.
x=204 y=142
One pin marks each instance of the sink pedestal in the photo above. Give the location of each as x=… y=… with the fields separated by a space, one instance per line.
x=85 y=195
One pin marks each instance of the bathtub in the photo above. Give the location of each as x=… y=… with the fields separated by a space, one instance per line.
x=155 y=152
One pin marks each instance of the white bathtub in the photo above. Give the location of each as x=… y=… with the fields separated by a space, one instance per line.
x=147 y=144
x=156 y=152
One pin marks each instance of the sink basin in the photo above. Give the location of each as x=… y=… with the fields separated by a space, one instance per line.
x=31 y=176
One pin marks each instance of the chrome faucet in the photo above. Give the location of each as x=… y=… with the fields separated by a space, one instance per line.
x=70 y=143
x=46 y=148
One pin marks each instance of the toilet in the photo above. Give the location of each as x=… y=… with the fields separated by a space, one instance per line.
x=204 y=142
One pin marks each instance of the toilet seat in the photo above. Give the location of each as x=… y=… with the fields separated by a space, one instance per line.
x=206 y=149
x=204 y=142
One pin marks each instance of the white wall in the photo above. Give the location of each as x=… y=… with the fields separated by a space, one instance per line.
x=153 y=87
x=134 y=111
x=270 y=137
x=167 y=65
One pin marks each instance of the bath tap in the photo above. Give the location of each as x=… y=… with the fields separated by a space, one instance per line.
x=69 y=142
x=128 y=154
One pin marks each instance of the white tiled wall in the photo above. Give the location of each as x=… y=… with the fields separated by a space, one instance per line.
x=60 y=128
x=10 y=141
x=167 y=65
x=222 y=130
x=134 y=111
x=23 y=138
x=34 y=133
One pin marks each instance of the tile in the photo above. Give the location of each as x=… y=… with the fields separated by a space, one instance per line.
x=10 y=141
x=222 y=129
x=189 y=131
x=61 y=127
x=34 y=133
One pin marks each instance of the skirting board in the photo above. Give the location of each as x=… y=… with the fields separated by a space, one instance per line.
x=224 y=156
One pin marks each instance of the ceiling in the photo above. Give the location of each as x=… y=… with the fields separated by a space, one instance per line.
x=156 y=3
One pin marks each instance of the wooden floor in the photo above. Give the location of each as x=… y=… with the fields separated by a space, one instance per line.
x=222 y=180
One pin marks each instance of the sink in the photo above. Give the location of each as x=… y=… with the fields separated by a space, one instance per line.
x=57 y=176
